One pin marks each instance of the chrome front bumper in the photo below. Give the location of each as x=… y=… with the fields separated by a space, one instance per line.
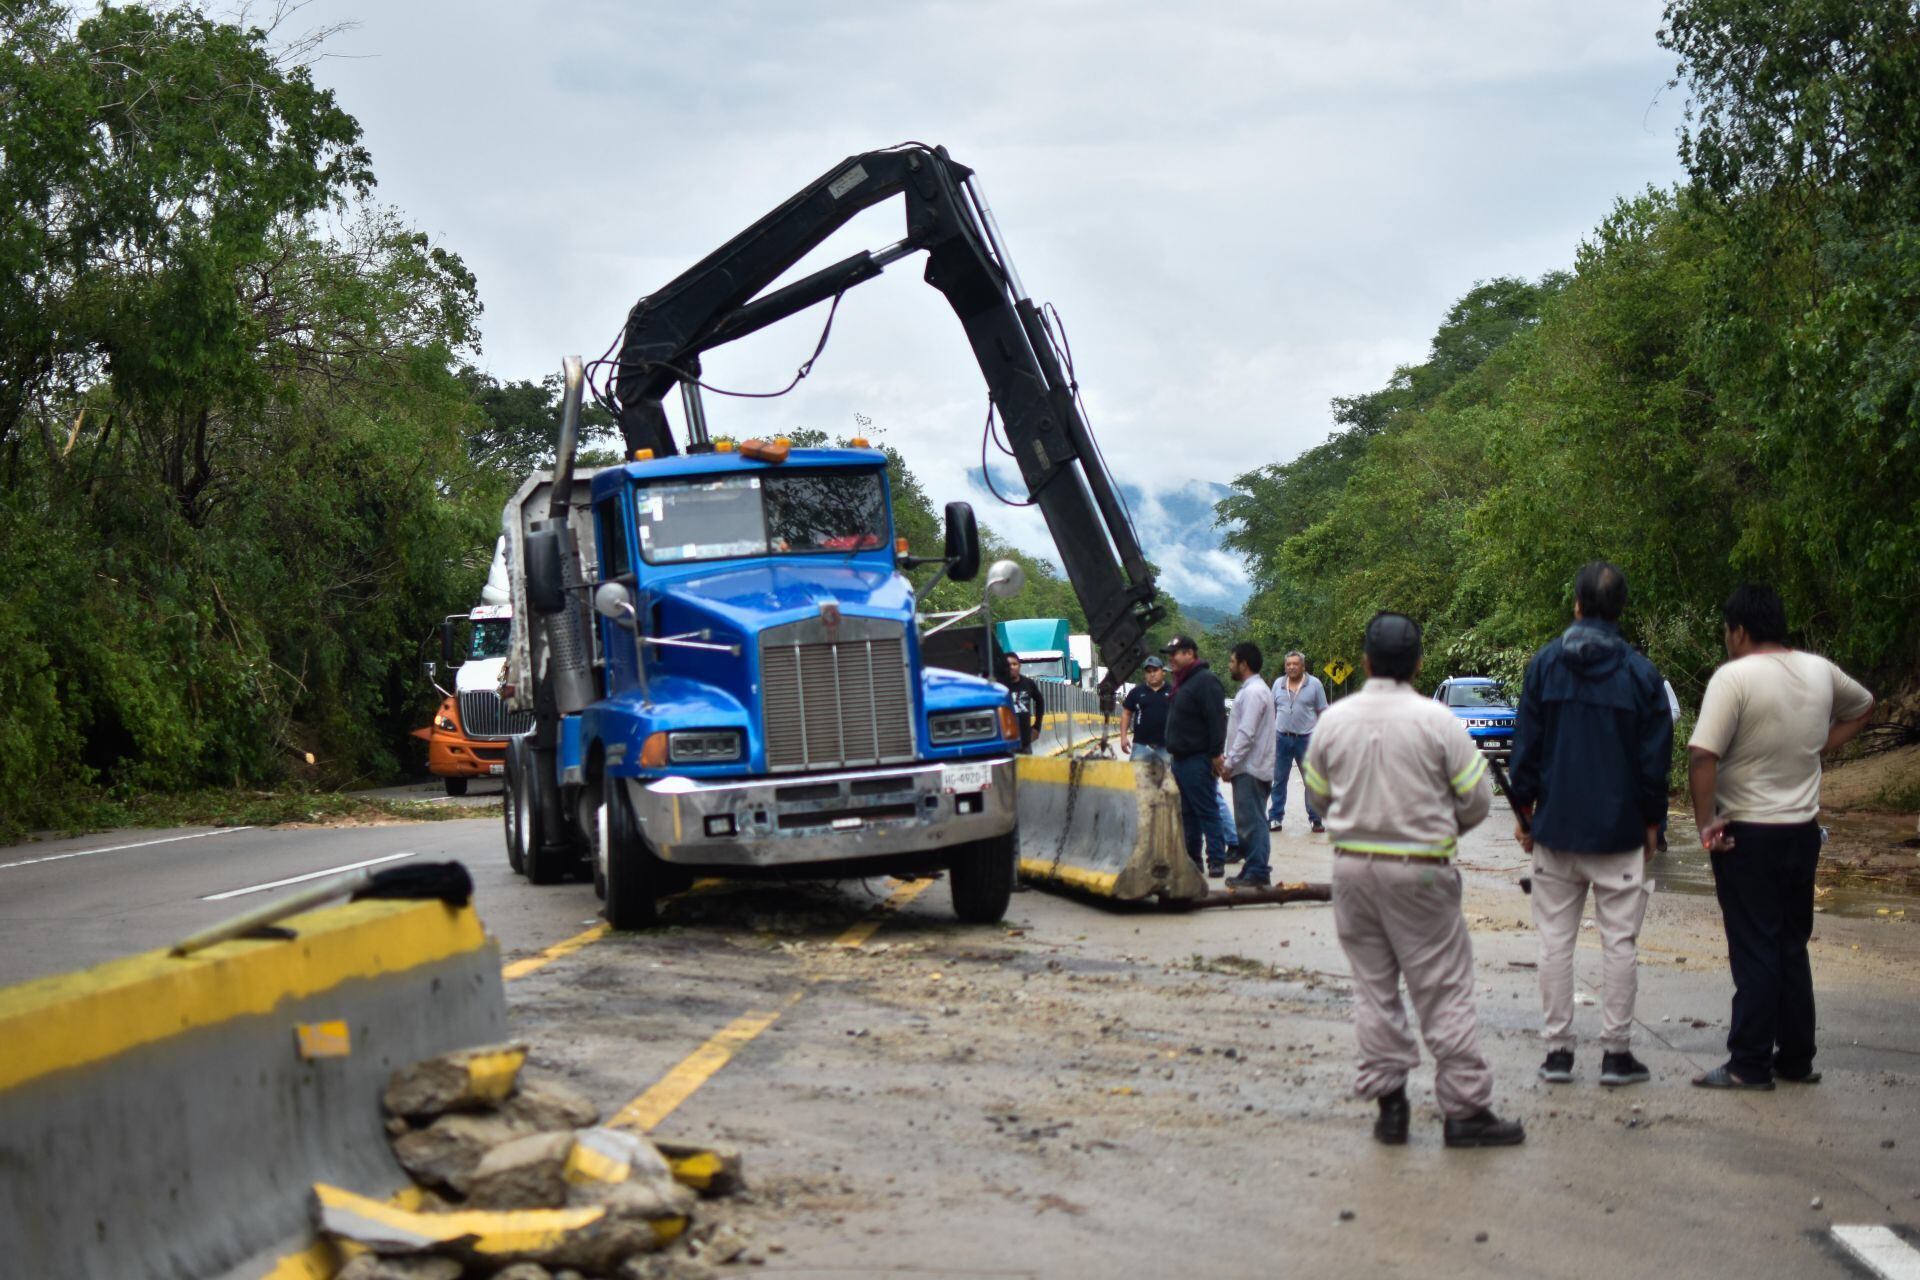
x=827 y=817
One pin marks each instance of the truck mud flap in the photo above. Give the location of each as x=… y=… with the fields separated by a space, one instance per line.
x=1109 y=828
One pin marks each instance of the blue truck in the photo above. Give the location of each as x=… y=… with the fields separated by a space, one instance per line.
x=1042 y=645
x=722 y=656
x=1483 y=706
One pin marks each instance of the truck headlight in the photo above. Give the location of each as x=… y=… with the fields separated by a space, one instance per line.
x=950 y=727
x=704 y=746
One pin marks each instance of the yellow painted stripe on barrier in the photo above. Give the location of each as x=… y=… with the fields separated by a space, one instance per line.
x=323 y=1259
x=58 y=1023
x=485 y=1231
x=1079 y=878
x=1111 y=775
x=534 y=963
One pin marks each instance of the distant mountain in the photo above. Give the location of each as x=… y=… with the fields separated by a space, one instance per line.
x=1176 y=529
x=1208 y=616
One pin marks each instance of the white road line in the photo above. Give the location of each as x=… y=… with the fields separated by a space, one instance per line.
x=311 y=875
x=116 y=848
x=1880 y=1251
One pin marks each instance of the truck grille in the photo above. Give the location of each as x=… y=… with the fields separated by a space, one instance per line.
x=836 y=697
x=484 y=715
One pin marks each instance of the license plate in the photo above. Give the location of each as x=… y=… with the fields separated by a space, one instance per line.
x=496 y=769
x=965 y=777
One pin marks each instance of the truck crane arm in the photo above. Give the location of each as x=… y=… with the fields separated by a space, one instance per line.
x=722 y=298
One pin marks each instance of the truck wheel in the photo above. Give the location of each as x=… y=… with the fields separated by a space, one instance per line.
x=982 y=878
x=513 y=811
x=627 y=866
x=456 y=786
x=543 y=865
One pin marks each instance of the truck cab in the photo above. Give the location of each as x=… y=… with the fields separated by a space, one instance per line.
x=1482 y=705
x=1043 y=647
x=759 y=704
x=467 y=737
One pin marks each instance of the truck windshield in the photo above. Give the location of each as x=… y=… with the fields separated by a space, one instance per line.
x=490 y=638
x=1475 y=695
x=778 y=513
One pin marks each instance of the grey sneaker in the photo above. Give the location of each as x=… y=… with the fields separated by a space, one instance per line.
x=1623 y=1068
x=1558 y=1068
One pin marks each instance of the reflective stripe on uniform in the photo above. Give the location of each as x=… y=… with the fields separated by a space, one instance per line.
x=1468 y=778
x=1444 y=850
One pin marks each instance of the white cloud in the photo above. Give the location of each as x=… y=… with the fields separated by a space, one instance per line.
x=1241 y=211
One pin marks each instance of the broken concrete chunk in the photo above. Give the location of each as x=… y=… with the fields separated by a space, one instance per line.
x=526 y=1173
x=445 y=1153
x=524 y=1271
x=665 y=1267
x=370 y=1266
x=591 y=1239
x=648 y=1200
x=465 y=1080
x=550 y=1106
x=613 y=1156
x=708 y=1168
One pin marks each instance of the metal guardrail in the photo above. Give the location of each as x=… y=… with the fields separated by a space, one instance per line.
x=1073 y=717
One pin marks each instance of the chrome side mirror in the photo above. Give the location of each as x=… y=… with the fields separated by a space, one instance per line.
x=613 y=600
x=1006 y=578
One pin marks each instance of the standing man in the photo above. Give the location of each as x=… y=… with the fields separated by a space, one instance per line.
x=1248 y=764
x=1298 y=701
x=1591 y=747
x=1197 y=740
x=1399 y=780
x=1143 y=716
x=1754 y=768
x=1029 y=710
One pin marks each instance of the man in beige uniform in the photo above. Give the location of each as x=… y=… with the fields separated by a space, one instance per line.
x=1398 y=780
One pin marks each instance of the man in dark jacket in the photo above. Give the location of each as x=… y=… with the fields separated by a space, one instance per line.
x=1591 y=750
x=1197 y=740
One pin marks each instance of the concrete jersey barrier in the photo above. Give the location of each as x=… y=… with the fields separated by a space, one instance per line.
x=168 y=1116
x=1106 y=827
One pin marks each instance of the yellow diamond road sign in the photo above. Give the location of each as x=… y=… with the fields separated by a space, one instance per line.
x=1338 y=670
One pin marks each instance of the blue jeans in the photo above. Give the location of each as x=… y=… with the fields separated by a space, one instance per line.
x=1200 y=809
x=1250 y=819
x=1292 y=750
x=1142 y=752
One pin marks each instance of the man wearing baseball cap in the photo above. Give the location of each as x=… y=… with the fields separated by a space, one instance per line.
x=1197 y=741
x=1398 y=781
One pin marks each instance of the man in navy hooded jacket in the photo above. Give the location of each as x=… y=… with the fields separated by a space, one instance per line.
x=1591 y=750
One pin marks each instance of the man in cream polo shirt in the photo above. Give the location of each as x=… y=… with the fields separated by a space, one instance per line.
x=1754 y=770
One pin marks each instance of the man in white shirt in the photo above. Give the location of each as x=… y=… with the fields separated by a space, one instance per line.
x=1248 y=764
x=1754 y=770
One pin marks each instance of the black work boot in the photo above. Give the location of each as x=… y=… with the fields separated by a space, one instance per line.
x=1391 y=1127
x=1484 y=1129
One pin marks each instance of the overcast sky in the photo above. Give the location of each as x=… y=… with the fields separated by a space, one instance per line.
x=1241 y=210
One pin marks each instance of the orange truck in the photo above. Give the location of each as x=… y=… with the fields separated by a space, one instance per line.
x=468 y=735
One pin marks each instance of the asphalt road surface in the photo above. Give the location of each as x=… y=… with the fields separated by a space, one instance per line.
x=1086 y=1091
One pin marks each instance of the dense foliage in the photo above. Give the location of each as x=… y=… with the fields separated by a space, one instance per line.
x=1724 y=387
x=234 y=479
x=245 y=461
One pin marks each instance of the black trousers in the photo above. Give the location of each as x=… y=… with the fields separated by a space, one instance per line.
x=1765 y=887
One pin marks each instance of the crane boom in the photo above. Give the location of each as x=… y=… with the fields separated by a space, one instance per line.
x=724 y=297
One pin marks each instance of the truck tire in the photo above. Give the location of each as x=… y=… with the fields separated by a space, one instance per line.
x=542 y=865
x=982 y=878
x=513 y=810
x=627 y=866
x=456 y=786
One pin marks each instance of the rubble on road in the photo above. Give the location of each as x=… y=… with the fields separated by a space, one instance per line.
x=518 y=1184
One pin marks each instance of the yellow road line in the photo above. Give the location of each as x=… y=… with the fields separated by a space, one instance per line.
x=694 y=1070
x=700 y=1066
x=534 y=963
x=858 y=934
